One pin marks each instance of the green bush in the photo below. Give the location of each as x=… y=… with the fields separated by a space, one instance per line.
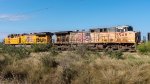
x=114 y=54
x=3 y=48
x=16 y=52
x=40 y=47
x=20 y=53
x=144 y=48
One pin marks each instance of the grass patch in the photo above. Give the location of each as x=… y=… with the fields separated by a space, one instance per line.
x=73 y=67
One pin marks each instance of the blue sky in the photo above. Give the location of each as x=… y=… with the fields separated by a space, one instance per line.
x=19 y=16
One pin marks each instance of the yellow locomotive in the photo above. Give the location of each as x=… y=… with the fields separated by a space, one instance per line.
x=28 y=39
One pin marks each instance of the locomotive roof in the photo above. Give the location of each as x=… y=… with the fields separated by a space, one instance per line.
x=63 y=32
x=13 y=34
x=117 y=28
x=104 y=28
x=111 y=27
x=39 y=33
x=44 y=33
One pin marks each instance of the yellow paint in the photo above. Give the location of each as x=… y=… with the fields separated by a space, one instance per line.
x=12 y=41
x=28 y=39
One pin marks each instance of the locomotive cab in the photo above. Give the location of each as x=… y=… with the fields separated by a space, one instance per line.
x=124 y=28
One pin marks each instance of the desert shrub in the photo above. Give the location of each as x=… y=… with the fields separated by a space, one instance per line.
x=15 y=72
x=131 y=57
x=144 y=48
x=1 y=48
x=13 y=75
x=81 y=50
x=96 y=53
x=22 y=52
x=68 y=75
x=84 y=75
x=40 y=47
x=53 y=51
x=114 y=54
x=10 y=53
x=18 y=53
x=49 y=61
x=4 y=61
x=23 y=71
x=86 y=54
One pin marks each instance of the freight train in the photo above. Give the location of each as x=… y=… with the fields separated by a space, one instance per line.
x=113 y=38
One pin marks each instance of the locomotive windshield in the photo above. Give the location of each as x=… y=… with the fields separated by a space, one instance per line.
x=124 y=28
x=130 y=28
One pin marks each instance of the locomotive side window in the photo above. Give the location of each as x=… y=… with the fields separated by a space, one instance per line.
x=105 y=29
x=92 y=31
x=101 y=30
x=120 y=30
